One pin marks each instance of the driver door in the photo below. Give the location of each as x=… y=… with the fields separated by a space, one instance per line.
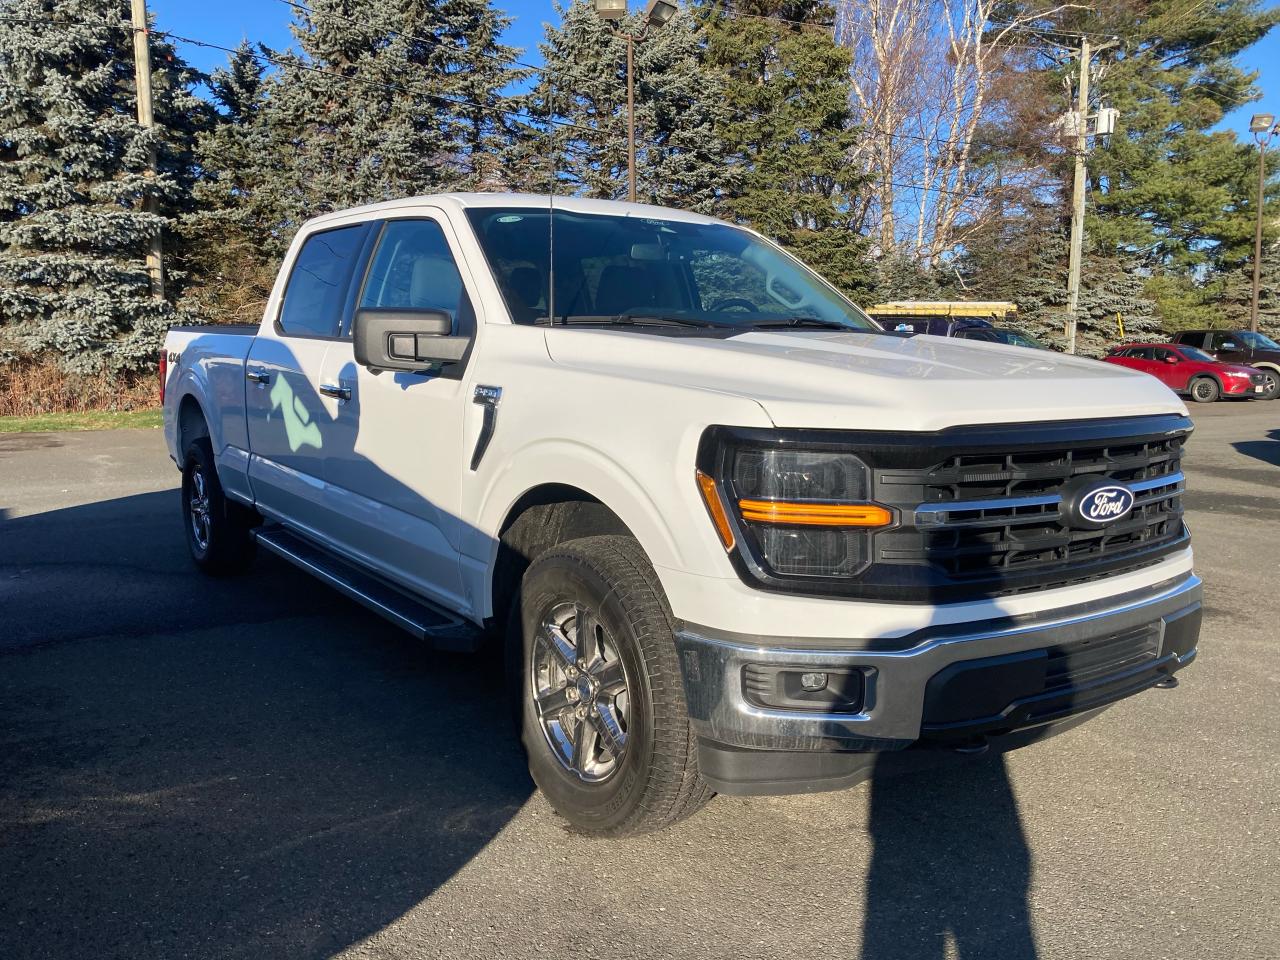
x=394 y=473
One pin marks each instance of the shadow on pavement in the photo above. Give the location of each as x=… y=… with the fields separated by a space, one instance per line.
x=1268 y=451
x=240 y=768
x=950 y=864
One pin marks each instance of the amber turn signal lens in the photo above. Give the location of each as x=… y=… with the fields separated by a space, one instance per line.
x=711 y=497
x=815 y=514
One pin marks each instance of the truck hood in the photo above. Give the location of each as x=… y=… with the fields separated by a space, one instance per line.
x=833 y=379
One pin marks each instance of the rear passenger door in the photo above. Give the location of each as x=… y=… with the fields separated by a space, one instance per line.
x=1172 y=368
x=291 y=424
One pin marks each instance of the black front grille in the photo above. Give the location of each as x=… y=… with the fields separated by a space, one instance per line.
x=1027 y=473
x=993 y=520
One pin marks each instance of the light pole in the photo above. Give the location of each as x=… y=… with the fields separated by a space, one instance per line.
x=1263 y=126
x=656 y=14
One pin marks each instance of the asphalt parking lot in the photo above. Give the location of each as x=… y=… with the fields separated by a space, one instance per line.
x=257 y=768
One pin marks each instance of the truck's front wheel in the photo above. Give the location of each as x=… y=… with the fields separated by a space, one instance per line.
x=603 y=715
x=218 y=531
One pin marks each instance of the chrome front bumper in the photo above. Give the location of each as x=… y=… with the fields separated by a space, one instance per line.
x=897 y=672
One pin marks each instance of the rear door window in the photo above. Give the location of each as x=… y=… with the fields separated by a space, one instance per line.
x=317 y=288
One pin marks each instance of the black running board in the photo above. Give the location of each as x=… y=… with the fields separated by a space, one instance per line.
x=423 y=619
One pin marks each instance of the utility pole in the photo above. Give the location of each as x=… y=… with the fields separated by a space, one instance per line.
x=1078 y=187
x=146 y=119
x=1263 y=126
x=1077 y=195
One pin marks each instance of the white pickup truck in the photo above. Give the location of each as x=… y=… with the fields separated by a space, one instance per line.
x=734 y=536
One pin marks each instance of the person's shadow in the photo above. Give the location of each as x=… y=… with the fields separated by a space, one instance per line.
x=950 y=862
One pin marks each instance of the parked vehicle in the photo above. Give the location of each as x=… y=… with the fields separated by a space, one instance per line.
x=1014 y=338
x=1239 y=346
x=735 y=536
x=941 y=318
x=1189 y=371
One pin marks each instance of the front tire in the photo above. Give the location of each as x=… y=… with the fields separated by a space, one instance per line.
x=1204 y=390
x=602 y=703
x=218 y=531
x=1272 y=389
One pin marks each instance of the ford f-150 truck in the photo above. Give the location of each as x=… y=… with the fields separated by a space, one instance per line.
x=733 y=536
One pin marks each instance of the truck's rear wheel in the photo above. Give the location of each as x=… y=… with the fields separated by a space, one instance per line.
x=1272 y=389
x=603 y=709
x=218 y=531
x=1204 y=390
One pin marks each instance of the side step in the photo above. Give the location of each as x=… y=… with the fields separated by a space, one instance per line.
x=423 y=619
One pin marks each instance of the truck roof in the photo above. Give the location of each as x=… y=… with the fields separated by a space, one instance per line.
x=463 y=201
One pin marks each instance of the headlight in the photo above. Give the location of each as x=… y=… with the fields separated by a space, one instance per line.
x=799 y=513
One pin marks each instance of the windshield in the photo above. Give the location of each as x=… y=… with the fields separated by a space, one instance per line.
x=1192 y=353
x=1258 y=341
x=629 y=269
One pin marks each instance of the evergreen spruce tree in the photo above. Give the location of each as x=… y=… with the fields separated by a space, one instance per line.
x=787 y=92
x=236 y=228
x=680 y=111
x=1023 y=260
x=387 y=98
x=1235 y=295
x=1166 y=189
x=73 y=178
x=480 y=71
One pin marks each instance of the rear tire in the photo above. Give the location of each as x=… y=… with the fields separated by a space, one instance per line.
x=602 y=701
x=218 y=531
x=1204 y=390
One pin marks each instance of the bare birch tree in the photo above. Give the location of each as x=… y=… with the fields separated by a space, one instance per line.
x=926 y=81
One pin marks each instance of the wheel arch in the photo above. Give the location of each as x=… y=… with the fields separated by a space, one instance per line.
x=1206 y=375
x=541 y=518
x=191 y=423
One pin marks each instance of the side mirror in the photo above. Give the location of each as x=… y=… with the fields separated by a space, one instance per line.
x=413 y=340
x=1229 y=345
x=1171 y=359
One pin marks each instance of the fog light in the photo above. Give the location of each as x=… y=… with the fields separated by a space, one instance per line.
x=813 y=682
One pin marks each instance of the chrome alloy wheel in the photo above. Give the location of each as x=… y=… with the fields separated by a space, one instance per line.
x=579 y=687
x=198 y=507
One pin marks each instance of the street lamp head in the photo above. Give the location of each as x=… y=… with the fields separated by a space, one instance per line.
x=659 y=12
x=1261 y=122
x=611 y=9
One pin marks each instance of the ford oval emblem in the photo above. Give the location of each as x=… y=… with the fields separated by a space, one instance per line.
x=1096 y=506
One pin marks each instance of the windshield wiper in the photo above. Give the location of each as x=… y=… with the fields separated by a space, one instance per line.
x=629 y=319
x=804 y=322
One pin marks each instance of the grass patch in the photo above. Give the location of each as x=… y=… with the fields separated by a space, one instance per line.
x=90 y=420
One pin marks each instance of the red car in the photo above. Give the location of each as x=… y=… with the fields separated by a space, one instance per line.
x=1187 y=370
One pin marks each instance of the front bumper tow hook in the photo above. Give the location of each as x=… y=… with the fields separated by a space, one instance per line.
x=1168 y=683
x=973 y=748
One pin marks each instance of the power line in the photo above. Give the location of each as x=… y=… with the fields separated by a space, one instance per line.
x=295 y=62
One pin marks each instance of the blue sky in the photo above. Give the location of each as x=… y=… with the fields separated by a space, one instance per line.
x=226 y=22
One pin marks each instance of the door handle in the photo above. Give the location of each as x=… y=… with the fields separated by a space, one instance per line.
x=337 y=391
x=257 y=376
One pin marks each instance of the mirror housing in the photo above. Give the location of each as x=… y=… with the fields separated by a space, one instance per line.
x=1171 y=359
x=412 y=340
